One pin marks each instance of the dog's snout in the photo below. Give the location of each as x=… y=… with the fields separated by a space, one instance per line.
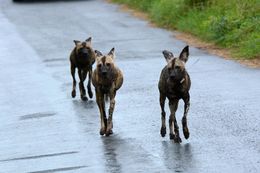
x=173 y=75
x=85 y=51
x=103 y=71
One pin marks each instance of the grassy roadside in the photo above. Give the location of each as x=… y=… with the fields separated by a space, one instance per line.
x=233 y=24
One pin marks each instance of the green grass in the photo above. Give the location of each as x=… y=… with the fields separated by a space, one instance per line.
x=233 y=24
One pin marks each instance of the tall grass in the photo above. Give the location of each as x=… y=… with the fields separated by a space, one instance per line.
x=233 y=24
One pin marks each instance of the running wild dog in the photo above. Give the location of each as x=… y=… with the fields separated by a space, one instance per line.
x=107 y=79
x=175 y=84
x=82 y=57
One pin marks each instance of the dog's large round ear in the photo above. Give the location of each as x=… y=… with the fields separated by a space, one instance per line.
x=112 y=52
x=168 y=55
x=184 y=56
x=89 y=39
x=98 y=53
x=76 y=42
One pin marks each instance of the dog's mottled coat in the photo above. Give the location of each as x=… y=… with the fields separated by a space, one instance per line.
x=174 y=84
x=107 y=79
x=82 y=57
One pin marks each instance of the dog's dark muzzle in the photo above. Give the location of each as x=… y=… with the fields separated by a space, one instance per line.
x=84 y=52
x=104 y=71
x=176 y=75
x=173 y=74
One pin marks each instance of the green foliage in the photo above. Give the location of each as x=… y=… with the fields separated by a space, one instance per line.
x=170 y=15
x=196 y=3
x=144 y=5
x=234 y=24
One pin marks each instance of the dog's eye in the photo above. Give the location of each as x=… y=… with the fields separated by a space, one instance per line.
x=99 y=65
x=108 y=64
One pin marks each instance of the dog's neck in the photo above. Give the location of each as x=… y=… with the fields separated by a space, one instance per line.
x=109 y=79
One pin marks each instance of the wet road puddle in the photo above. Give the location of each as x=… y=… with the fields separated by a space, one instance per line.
x=55 y=60
x=37 y=115
x=59 y=169
x=40 y=156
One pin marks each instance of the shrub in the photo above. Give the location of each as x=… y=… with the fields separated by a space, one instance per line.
x=233 y=24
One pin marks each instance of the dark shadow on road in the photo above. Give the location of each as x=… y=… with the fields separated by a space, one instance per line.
x=80 y=105
x=111 y=145
x=87 y=115
x=177 y=157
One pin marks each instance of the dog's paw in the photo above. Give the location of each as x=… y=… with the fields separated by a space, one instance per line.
x=73 y=94
x=185 y=128
x=177 y=139
x=186 y=132
x=171 y=136
x=163 y=131
x=109 y=132
x=84 y=98
x=102 y=131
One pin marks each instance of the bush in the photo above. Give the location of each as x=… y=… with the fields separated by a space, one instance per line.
x=233 y=24
x=197 y=3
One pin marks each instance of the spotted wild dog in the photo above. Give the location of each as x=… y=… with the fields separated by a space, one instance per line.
x=82 y=57
x=107 y=79
x=175 y=84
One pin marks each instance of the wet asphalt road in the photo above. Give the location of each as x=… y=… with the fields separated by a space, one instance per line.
x=44 y=130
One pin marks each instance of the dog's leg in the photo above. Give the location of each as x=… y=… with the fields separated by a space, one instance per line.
x=72 y=71
x=176 y=131
x=111 y=110
x=101 y=106
x=79 y=74
x=184 y=119
x=173 y=104
x=90 y=93
x=82 y=77
x=162 y=103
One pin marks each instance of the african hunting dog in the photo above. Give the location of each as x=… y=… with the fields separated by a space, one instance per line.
x=175 y=84
x=82 y=57
x=107 y=79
